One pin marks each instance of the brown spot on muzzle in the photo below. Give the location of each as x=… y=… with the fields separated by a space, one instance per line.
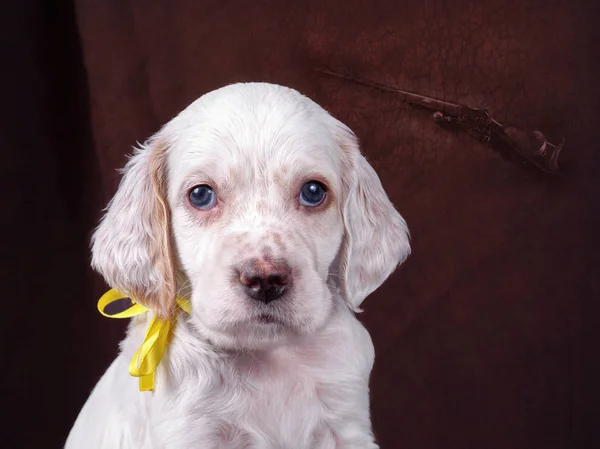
x=278 y=240
x=267 y=253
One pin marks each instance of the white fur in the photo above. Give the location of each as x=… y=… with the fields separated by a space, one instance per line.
x=229 y=380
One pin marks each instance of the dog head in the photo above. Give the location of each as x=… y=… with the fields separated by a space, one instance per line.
x=256 y=204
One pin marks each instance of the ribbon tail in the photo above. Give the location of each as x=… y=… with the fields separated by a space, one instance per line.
x=147 y=358
x=147 y=382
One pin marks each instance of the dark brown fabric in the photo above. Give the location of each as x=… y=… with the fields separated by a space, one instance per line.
x=486 y=338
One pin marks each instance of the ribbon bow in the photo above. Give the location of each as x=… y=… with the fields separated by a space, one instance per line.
x=148 y=356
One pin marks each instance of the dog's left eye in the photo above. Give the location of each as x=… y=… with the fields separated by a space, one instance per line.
x=203 y=197
x=312 y=194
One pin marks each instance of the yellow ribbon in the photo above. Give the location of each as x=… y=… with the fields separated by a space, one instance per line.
x=148 y=356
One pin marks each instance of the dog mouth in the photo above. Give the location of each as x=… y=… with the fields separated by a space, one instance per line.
x=265 y=318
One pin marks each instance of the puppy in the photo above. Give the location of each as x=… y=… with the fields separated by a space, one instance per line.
x=257 y=206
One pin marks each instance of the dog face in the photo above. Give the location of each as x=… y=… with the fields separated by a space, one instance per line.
x=256 y=204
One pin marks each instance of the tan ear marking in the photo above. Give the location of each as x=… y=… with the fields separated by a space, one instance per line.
x=132 y=246
x=165 y=263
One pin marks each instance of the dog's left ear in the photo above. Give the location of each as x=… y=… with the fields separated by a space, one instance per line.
x=376 y=236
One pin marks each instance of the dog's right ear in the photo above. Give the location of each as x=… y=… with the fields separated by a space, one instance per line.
x=132 y=246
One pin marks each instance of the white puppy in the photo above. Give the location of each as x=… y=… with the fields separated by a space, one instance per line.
x=256 y=205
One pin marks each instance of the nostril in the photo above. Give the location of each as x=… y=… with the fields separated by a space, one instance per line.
x=254 y=282
x=251 y=281
x=276 y=279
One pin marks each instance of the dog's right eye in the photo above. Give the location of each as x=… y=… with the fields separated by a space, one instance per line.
x=203 y=197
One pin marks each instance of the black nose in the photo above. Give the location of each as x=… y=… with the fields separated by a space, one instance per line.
x=265 y=281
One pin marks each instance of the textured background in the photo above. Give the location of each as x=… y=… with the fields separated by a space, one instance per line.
x=485 y=338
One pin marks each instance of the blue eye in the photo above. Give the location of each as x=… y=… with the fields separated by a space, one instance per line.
x=203 y=197
x=312 y=194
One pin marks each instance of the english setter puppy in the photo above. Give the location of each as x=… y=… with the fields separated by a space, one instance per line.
x=257 y=206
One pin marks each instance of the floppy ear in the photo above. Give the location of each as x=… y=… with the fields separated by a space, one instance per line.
x=376 y=236
x=131 y=247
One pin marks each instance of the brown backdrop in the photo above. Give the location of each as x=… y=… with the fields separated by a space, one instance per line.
x=485 y=338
